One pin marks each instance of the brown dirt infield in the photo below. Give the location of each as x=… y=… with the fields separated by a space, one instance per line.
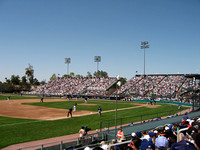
x=15 y=108
x=87 y=104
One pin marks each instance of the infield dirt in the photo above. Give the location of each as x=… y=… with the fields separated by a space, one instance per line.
x=16 y=109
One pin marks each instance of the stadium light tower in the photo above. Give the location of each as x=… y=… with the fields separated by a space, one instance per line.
x=67 y=61
x=144 y=45
x=97 y=59
x=117 y=84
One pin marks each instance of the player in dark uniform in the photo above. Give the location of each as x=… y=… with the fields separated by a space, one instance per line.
x=99 y=111
x=69 y=112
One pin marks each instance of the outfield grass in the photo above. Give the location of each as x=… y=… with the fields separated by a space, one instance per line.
x=105 y=105
x=13 y=130
x=15 y=97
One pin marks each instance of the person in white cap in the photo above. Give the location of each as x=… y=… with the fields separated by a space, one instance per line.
x=135 y=141
x=104 y=146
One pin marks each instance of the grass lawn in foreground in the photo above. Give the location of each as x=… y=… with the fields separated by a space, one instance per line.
x=24 y=130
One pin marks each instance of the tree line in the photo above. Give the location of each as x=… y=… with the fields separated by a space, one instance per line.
x=16 y=83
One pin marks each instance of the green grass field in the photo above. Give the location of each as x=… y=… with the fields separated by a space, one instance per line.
x=15 y=130
x=16 y=97
x=105 y=105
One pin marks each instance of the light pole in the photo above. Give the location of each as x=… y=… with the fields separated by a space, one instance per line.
x=67 y=61
x=97 y=59
x=144 y=45
x=117 y=84
x=193 y=93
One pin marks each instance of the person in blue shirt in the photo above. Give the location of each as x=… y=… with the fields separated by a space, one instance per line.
x=161 y=141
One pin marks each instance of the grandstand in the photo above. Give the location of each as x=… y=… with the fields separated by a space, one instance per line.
x=156 y=86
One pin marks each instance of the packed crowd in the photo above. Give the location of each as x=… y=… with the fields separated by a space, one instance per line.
x=74 y=86
x=189 y=83
x=138 y=86
x=176 y=136
x=159 y=85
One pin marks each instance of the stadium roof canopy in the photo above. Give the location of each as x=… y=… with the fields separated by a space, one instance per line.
x=197 y=76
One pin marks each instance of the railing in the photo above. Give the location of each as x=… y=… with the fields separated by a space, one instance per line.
x=75 y=143
x=139 y=119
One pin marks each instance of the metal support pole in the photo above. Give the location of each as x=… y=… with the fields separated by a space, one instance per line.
x=144 y=61
x=67 y=68
x=98 y=69
x=78 y=141
x=116 y=115
x=61 y=145
x=92 y=138
x=108 y=127
x=144 y=71
x=144 y=45
x=100 y=125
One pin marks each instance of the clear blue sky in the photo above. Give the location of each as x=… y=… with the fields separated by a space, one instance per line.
x=44 y=32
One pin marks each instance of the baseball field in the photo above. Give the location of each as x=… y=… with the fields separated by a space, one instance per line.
x=25 y=118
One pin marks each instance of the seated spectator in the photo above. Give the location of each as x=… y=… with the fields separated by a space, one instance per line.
x=152 y=136
x=169 y=135
x=145 y=135
x=147 y=142
x=190 y=132
x=196 y=138
x=131 y=124
x=82 y=132
x=147 y=145
x=161 y=141
x=135 y=141
x=196 y=125
x=183 y=145
x=114 y=147
x=120 y=135
x=104 y=146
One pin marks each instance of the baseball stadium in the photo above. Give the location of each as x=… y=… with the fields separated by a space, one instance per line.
x=39 y=118
x=99 y=75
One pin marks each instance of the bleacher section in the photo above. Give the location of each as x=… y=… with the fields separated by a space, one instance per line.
x=74 y=86
x=149 y=86
x=159 y=86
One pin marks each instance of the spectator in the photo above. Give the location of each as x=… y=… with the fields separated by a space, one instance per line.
x=185 y=117
x=104 y=146
x=131 y=124
x=161 y=141
x=183 y=145
x=135 y=141
x=196 y=138
x=120 y=135
x=82 y=132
